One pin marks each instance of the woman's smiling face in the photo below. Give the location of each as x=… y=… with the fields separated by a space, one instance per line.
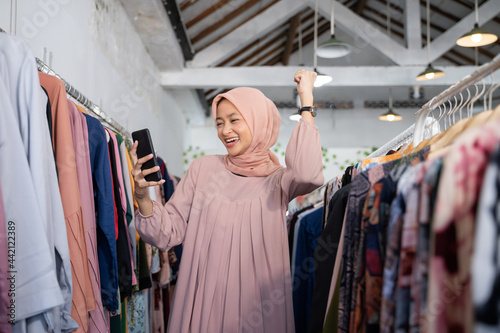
x=232 y=128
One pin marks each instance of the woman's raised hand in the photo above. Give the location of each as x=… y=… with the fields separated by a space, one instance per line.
x=305 y=81
x=141 y=184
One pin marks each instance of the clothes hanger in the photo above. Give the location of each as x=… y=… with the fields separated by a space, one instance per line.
x=496 y=111
x=481 y=117
x=460 y=127
x=491 y=95
x=425 y=142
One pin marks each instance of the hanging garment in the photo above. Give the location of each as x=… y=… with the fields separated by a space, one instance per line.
x=105 y=217
x=359 y=189
x=453 y=225
x=136 y=310
x=325 y=254
x=123 y=196
x=127 y=184
x=83 y=297
x=23 y=105
x=353 y=255
x=122 y=244
x=486 y=262
x=303 y=277
x=97 y=321
x=234 y=272
x=429 y=176
x=37 y=289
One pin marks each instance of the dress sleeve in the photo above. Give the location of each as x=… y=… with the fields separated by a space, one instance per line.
x=166 y=226
x=304 y=161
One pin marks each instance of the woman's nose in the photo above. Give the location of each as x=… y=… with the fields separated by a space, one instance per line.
x=227 y=129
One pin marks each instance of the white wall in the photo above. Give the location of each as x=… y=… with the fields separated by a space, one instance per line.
x=93 y=46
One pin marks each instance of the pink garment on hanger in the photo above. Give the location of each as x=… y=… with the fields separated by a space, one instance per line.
x=83 y=295
x=97 y=322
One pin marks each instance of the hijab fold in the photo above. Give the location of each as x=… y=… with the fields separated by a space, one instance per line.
x=263 y=119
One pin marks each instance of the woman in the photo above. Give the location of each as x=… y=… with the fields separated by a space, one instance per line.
x=229 y=213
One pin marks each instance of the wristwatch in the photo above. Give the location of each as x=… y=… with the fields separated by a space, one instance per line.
x=311 y=109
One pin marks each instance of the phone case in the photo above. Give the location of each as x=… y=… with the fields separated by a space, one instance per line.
x=144 y=148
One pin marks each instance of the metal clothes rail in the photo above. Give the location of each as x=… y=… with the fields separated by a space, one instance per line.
x=78 y=96
x=443 y=97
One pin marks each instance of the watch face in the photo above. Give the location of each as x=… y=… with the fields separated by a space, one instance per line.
x=314 y=111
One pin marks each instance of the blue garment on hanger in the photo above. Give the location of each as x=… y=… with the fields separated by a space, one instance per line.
x=311 y=223
x=105 y=214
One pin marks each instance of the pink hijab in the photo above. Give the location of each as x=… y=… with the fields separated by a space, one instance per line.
x=263 y=118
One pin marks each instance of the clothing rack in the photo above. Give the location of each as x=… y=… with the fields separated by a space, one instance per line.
x=443 y=97
x=404 y=137
x=80 y=98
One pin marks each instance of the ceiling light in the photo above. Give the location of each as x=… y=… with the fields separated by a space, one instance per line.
x=333 y=48
x=477 y=37
x=321 y=79
x=390 y=115
x=429 y=73
x=295 y=117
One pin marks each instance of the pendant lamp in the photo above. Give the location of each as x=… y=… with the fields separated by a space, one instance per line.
x=333 y=48
x=321 y=79
x=390 y=115
x=430 y=72
x=477 y=37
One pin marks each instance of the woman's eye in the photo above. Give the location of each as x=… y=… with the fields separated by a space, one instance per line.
x=234 y=120
x=219 y=124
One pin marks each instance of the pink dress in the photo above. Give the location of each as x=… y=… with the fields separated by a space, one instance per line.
x=235 y=270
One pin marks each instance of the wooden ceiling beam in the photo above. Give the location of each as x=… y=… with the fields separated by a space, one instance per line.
x=185 y=4
x=360 y=6
x=231 y=16
x=436 y=9
x=424 y=37
x=241 y=23
x=437 y=28
x=292 y=31
x=246 y=48
x=273 y=61
x=206 y=12
x=260 y=49
x=274 y=40
x=266 y=55
x=323 y=26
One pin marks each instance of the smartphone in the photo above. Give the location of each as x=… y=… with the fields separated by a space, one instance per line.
x=144 y=148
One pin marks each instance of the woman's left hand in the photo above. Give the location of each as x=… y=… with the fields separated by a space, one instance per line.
x=305 y=82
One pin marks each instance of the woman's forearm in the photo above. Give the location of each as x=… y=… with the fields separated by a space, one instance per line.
x=145 y=205
x=306 y=99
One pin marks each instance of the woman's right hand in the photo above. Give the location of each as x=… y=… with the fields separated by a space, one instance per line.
x=141 y=184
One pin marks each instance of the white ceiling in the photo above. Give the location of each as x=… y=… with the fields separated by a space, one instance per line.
x=378 y=60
